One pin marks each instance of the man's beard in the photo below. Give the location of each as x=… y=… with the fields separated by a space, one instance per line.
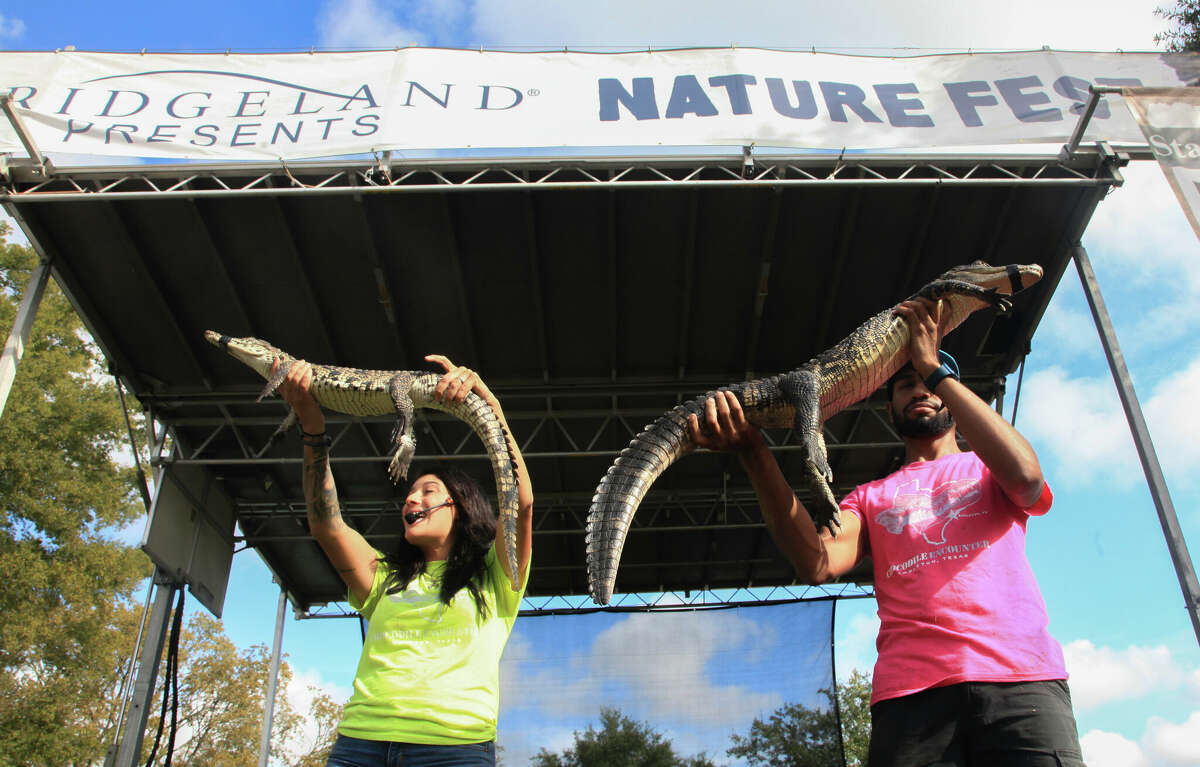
x=925 y=426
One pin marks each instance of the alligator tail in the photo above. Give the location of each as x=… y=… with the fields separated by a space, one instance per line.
x=476 y=413
x=623 y=488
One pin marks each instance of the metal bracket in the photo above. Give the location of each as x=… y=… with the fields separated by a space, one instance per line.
x=1114 y=160
x=1096 y=92
x=44 y=166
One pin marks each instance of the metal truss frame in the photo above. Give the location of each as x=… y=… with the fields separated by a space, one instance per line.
x=665 y=601
x=577 y=426
x=674 y=510
x=28 y=181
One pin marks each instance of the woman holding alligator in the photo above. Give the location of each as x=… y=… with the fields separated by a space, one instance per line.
x=439 y=606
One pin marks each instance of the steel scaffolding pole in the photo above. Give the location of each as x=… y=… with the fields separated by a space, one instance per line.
x=143 y=689
x=1141 y=438
x=14 y=347
x=264 y=749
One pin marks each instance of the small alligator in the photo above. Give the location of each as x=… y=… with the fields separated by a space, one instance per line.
x=802 y=399
x=383 y=392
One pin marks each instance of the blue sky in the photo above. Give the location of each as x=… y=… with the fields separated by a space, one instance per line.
x=1100 y=557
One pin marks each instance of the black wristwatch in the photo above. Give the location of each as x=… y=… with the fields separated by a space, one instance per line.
x=937 y=376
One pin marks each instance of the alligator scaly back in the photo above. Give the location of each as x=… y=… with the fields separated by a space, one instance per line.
x=802 y=399
x=359 y=392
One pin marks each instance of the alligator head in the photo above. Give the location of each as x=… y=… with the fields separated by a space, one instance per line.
x=256 y=353
x=1008 y=279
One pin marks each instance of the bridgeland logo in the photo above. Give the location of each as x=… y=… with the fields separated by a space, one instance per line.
x=217 y=108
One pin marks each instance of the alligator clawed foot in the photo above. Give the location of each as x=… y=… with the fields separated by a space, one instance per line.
x=406 y=447
x=827 y=519
x=834 y=524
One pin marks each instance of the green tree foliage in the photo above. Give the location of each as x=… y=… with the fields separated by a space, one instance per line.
x=793 y=735
x=324 y=715
x=798 y=736
x=1184 y=34
x=620 y=742
x=221 y=701
x=854 y=704
x=66 y=622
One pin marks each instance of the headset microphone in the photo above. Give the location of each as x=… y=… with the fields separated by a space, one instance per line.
x=412 y=516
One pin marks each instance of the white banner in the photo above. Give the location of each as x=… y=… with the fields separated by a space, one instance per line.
x=1170 y=118
x=267 y=107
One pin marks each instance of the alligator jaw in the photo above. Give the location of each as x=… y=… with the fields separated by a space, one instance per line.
x=1007 y=279
x=255 y=353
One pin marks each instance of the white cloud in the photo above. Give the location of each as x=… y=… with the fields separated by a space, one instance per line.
x=1163 y=744
x=1193 y=683
x=1168 y=743
x=674 y=678
x=856 y=646
x=1071 y=333
x=801 y=23
x=653 y=667
x=527 y=672
x=1173 y=427
x=1101 y=675
x=668 y=678
x=11 y=28
x=1108 y=749
x=303 y=688
x=364 y=24
x=1145 y=253
x=389 y=23
x=1141 y=227
x=1080 y=423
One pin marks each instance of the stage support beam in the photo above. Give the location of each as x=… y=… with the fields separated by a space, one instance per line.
x=147 y=672
x=264 y=749
x=22 y=327
x=1141 y=438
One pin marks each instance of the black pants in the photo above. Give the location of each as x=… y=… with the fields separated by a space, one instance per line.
x=976 y=724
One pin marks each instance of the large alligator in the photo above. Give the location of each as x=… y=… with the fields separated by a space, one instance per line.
x=385 y=392
x=802 y=399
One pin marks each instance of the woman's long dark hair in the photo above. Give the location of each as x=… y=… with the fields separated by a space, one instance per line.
x=474 y=533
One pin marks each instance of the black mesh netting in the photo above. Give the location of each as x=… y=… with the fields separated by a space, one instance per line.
x=695 y=676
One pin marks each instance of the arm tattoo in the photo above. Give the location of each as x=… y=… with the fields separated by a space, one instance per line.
x=319 y=490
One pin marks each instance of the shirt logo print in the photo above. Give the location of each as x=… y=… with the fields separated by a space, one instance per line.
x=416 y=600
x=930 y=511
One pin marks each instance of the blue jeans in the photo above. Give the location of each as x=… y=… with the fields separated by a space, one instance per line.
x=355 y=752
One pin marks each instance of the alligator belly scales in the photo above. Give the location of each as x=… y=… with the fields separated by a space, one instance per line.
x=358 y=392
x=801 y=399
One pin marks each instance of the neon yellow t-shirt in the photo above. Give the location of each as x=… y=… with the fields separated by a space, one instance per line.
x=430 y=672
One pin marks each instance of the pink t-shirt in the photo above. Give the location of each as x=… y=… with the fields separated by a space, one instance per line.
x=957 y=598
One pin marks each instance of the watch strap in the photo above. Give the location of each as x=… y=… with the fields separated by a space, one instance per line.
x=937 y=376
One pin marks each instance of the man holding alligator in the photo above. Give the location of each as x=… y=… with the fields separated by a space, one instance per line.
x=967 y=673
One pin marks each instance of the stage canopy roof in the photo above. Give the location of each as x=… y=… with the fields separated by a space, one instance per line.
x=594 y=289
x=593 y=294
